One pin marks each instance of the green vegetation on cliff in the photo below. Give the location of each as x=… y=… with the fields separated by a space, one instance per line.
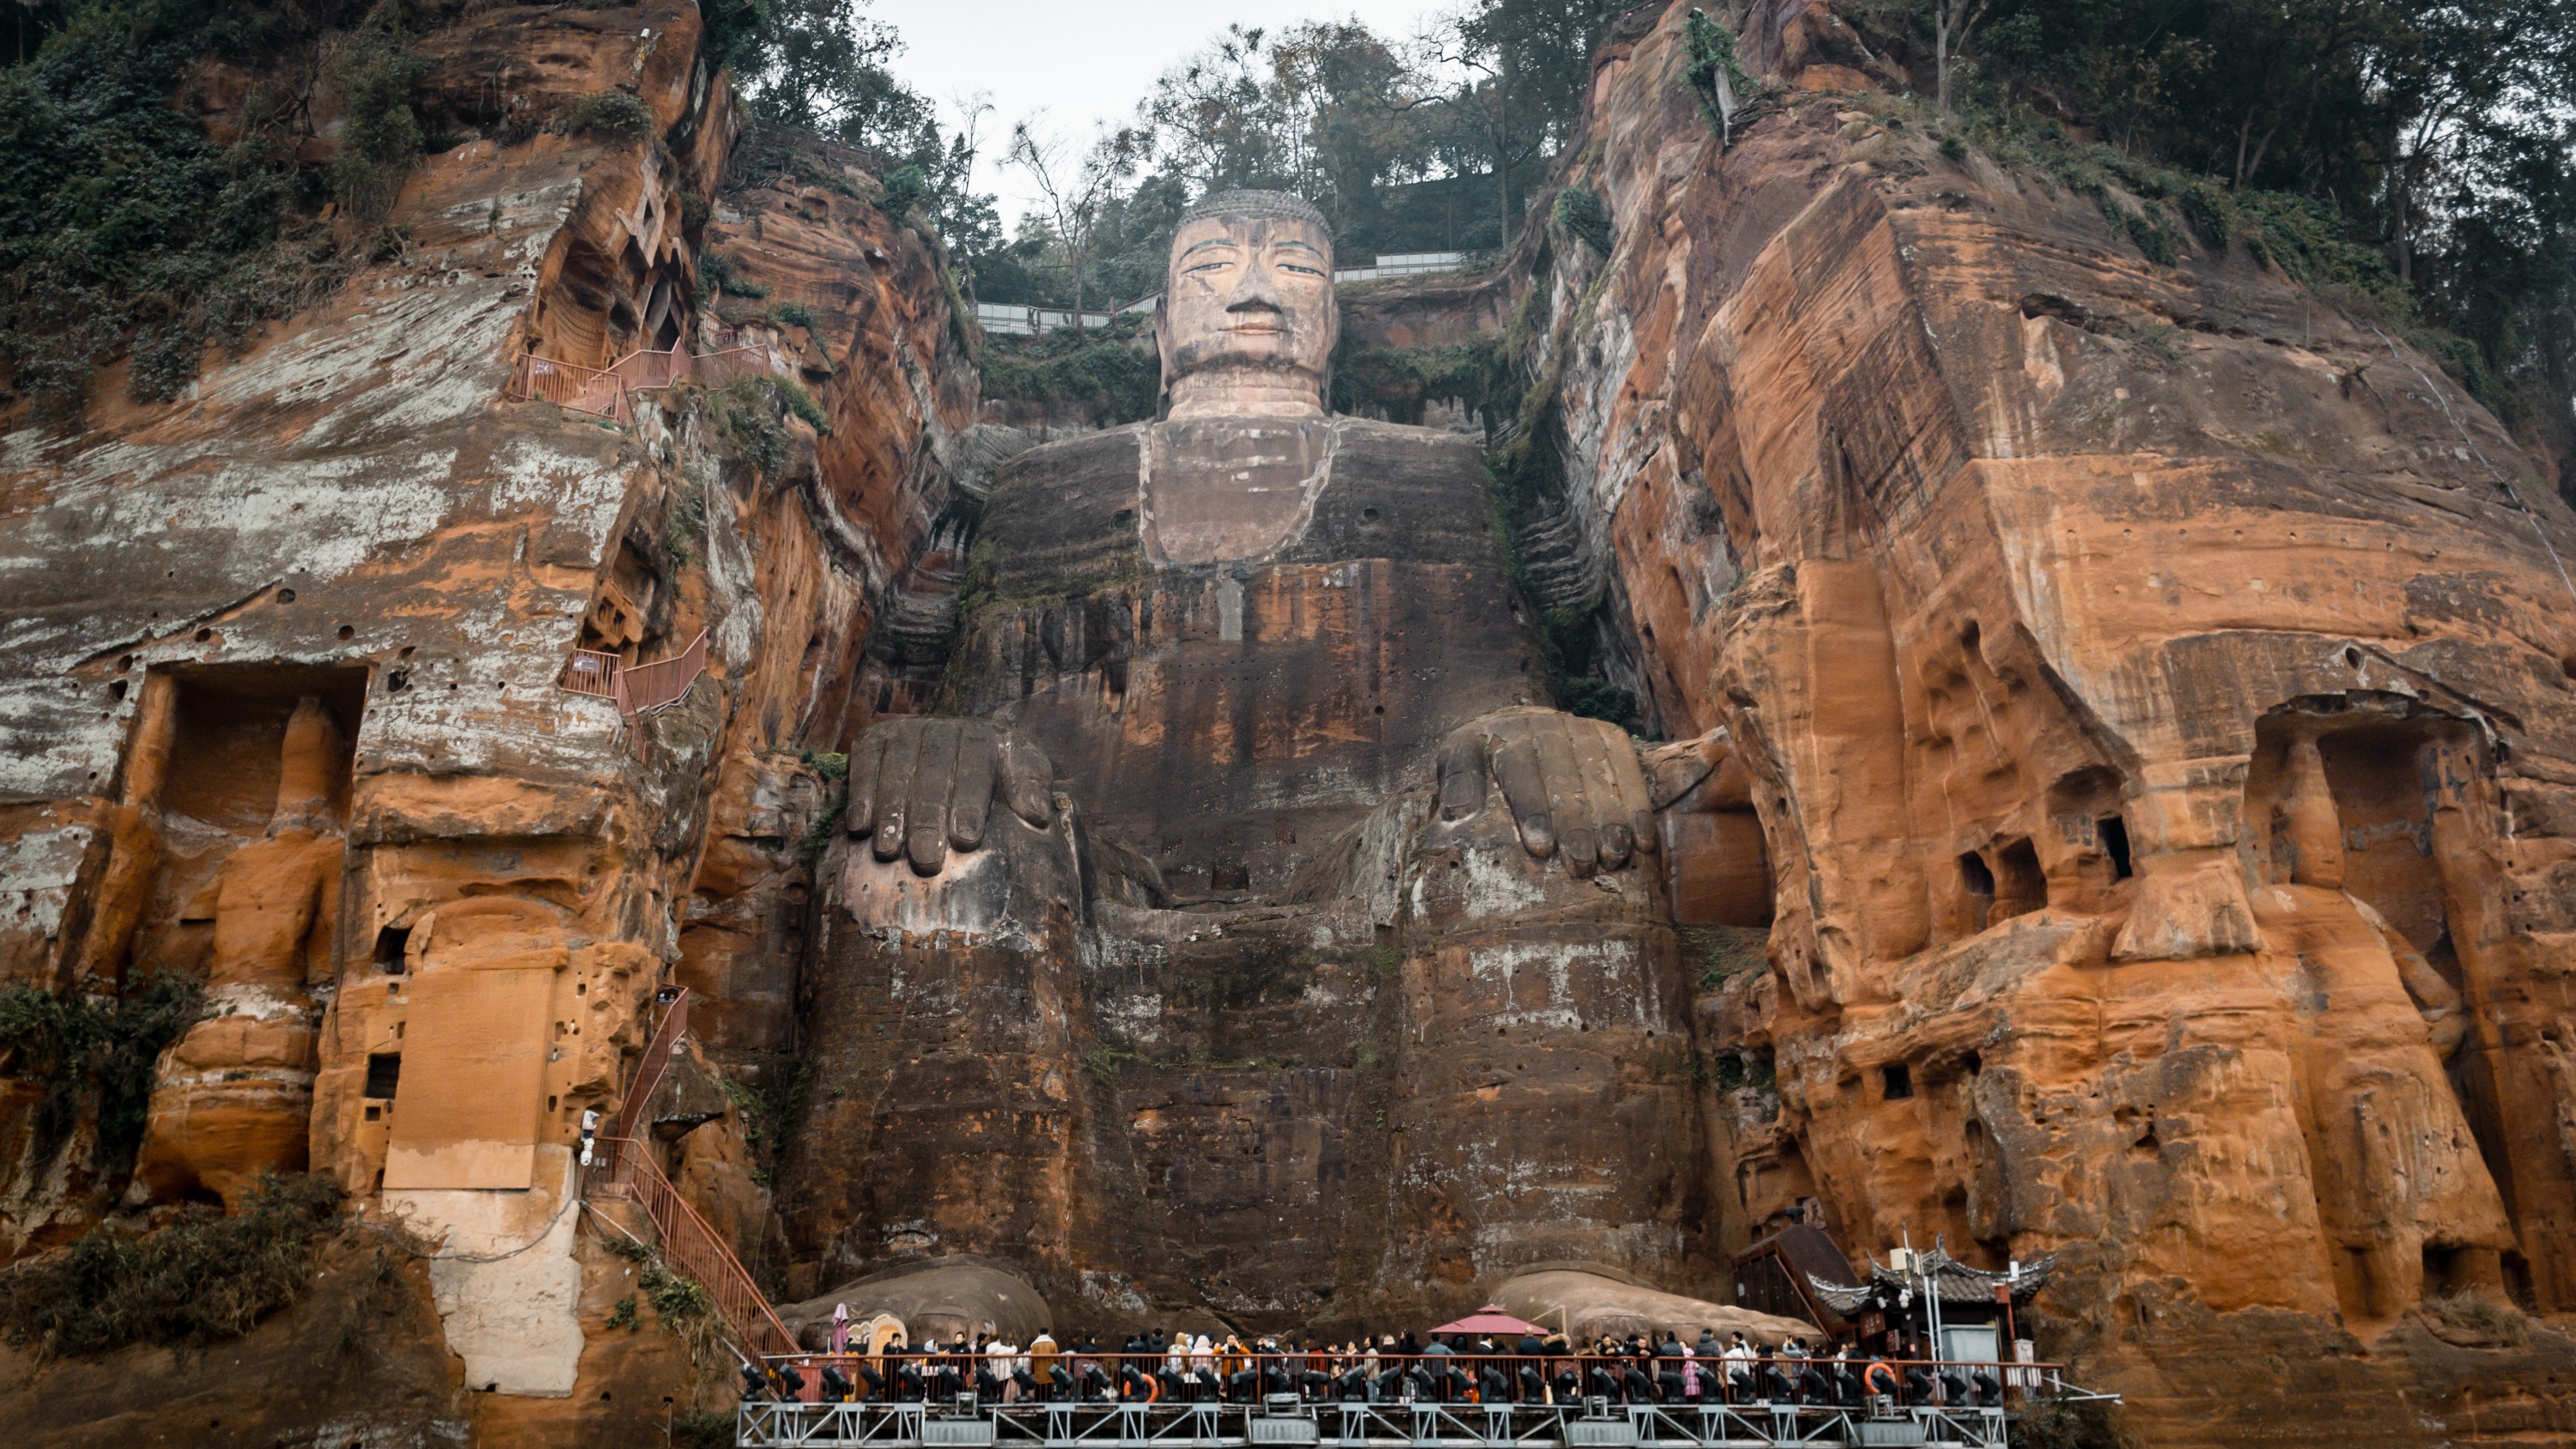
x=204 y=1278
x=2415 y=157
x=128 y=232
x=1107 y=375
x=95 y=1049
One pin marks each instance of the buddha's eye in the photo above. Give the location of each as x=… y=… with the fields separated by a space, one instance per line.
x=1215 y=266
x=1301 y=271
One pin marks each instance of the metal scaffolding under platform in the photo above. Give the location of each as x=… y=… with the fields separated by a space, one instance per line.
x=1380 y=1426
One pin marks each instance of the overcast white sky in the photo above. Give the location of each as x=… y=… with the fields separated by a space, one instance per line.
x=1079 y=60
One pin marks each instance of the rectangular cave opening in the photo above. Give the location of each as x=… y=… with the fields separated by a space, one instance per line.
x=2114 y=835
x=384 y=1074
x=1974 y=874
x=2376 y=774
x=228 y=738
x=2020 y=886
x=391 y=944
x=1895 y=1082
x=2452 y=1270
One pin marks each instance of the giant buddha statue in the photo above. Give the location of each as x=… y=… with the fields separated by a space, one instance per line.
x=1252 y=936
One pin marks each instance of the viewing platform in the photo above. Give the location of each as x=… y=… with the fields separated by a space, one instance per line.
x=1415 y=1425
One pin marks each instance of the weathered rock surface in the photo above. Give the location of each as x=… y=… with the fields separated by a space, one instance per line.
x=2161 y=747
x=2125 y=808
x=432 y=933
x=956 y=1298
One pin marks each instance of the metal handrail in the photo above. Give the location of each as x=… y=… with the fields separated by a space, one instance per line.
x=2015 y=1381
x=690 y=1246
x=593 y=672
x=664 y=1045
x=646 y=368
x=637 y=688
x=727 y=364
x=664 y=682
x=590 y=390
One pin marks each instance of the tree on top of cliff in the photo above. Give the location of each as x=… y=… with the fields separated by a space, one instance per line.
x=125 y=230
x=2441 y=134
x=818 y=65
x=1427 y=143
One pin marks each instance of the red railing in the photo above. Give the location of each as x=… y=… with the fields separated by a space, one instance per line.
x=603 y=392
x=648 y=687
x=715 y=369
x=639 y=688
x=665 y=1044
x=691 y=1247
x=583 y=389
x=644 y=370
x=593 y=672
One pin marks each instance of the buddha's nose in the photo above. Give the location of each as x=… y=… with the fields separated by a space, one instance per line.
x=1257 y=291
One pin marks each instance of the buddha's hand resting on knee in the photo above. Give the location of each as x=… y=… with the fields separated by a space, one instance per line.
x=1572 y=785
x=921 y=787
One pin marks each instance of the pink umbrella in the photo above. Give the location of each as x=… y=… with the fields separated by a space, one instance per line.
x=1490 y=1319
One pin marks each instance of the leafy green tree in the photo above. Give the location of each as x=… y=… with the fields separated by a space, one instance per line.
x=1522 y=70
x=1078 y=189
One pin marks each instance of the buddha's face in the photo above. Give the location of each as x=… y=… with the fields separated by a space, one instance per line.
x=1248 y=319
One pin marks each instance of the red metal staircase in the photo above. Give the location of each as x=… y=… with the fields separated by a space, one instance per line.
x=623 y=1170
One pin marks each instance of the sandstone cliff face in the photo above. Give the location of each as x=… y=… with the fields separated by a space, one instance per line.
x=283 y=681
x=2151 y=685
x=2128 y=708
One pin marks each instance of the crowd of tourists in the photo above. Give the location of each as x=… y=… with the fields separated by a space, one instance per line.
x=1156 y=1367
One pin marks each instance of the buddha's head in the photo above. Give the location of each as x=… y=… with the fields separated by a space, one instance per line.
x=1248 y=323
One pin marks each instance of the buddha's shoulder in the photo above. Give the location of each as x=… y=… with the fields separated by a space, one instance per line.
x=1368 y=445
x=1080 y=465
x=1395 y=491
x=1068 y=487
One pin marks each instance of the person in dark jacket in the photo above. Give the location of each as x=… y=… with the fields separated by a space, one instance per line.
x=1668 y=1368
x=1438 y=1360
x=1529 y=1375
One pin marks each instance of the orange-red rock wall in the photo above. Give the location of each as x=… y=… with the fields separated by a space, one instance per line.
x=2152 y=685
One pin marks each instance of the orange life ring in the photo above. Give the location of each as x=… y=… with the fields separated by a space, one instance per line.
x=1870 y=1377
x=1153 y=1389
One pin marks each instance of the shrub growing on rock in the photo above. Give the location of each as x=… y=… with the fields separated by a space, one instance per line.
x=204 y=1279
x=94 y=1047
x=615 y=115
x=374 y=74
